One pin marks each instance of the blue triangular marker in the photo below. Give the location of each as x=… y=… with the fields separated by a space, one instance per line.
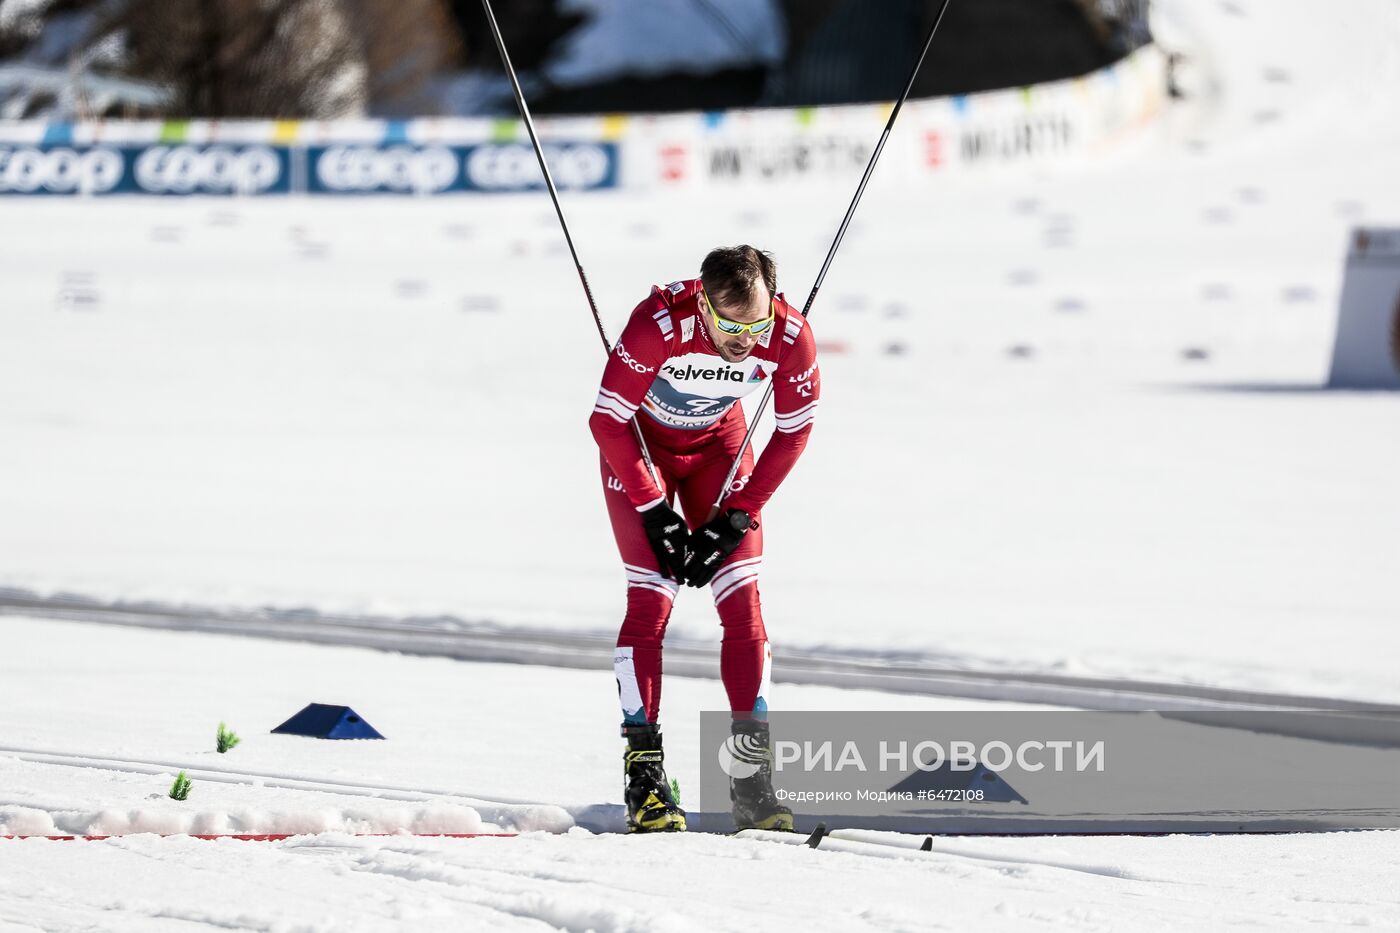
x=320 y=721
x=993 y=788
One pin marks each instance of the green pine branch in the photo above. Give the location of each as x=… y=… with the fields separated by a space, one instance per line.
x=180 y=790
x=676 y=791
x=226 y=738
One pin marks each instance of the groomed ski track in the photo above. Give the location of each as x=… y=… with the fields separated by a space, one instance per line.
x=891 y=672
x=455 y=638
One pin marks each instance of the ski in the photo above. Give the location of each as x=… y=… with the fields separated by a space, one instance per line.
x=829 y=841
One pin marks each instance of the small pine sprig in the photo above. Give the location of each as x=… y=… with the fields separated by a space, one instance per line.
x=676 y=791
x=180 y=790
x=225 y=739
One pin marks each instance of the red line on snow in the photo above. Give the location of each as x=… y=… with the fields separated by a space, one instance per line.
x=271 y=837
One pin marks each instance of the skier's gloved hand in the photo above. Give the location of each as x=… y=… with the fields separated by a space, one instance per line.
x=712 y=543
x=668 y=534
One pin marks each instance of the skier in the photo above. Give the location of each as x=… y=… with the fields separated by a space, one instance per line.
x=689 y=352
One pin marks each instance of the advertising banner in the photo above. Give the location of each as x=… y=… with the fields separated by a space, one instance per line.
x=372 y=169
x=253 y=169
x=154 y=170
x=986 y=131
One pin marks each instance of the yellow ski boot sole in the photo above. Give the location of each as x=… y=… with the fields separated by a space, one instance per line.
x=656 y=817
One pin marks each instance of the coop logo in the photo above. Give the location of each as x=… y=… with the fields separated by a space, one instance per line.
x=31 y=170
x=208 y=170
x=398 y=169
x=690 y=372
x=513 y=167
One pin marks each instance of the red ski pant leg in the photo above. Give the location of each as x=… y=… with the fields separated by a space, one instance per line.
x=637 y=659
x=745 y=662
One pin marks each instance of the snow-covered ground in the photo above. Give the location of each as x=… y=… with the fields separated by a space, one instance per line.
x=366 y=404
x=492 y=732
x=612 y=883
x=98 y=692
x=1022 y=462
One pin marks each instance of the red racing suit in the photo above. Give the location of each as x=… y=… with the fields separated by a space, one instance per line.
x=666 y=367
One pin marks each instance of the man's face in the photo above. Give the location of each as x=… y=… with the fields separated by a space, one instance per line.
x=736 y=348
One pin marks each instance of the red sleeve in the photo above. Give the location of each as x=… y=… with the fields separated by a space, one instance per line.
x=797 y=386
x=641 y=350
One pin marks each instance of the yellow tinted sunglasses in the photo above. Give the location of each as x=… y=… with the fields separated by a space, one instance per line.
x=735 y=328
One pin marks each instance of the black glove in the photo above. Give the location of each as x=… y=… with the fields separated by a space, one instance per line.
x=669 y=535
x=712 y=543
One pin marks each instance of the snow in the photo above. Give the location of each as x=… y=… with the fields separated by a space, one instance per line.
x=145 y=694
x=21 y=14
x=699 y=883
x=618 y=39
x=302 y=433
x=1078 y=425
x=448 y=725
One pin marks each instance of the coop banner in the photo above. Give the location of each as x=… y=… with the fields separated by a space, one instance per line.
x=180 y=169
x=1051 y=771
x=265 y=169
x=435 y=169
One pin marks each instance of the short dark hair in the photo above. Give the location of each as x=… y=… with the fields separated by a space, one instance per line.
x=730 y=274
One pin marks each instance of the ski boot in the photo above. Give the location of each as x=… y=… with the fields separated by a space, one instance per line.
x=755 y=806
x=651 y=807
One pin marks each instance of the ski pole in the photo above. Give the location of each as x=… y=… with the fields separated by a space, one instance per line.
x=831 y=254
x=559 y=211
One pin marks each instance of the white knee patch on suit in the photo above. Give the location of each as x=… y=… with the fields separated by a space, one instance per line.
x=734 y=577
x=643 y=578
